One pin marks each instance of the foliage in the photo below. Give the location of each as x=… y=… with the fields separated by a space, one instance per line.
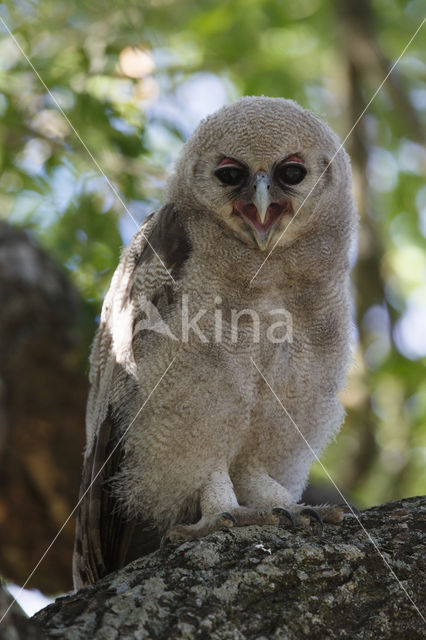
x=133 y=78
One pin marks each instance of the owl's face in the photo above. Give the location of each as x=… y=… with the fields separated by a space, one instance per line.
x=259 y=165
x=257 y=201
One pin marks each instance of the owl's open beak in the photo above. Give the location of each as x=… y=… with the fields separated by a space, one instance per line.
x=261 y=215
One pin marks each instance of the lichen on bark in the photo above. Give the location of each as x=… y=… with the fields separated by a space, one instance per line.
x=264 y=583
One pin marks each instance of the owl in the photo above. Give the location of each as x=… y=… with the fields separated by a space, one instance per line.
x=224 y=340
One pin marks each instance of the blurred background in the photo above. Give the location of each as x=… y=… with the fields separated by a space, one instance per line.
x=134 y=79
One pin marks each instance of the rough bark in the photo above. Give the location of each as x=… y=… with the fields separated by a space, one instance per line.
x=42 y=404
x=263 y=583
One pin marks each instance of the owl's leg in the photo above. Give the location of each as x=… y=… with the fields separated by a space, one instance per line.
x=219 y=510
x=258 y=490
x=253 y=498
x=217 y=501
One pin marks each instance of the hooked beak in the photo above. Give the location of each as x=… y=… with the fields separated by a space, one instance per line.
x=261 y=215
x=261 y=195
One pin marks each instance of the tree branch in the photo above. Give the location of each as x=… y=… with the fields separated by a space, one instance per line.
x=253 y=582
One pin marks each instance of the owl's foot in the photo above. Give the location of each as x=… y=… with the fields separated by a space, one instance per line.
x=294 y=515
x=203 y=527
x=239 y=517
x=304 y=515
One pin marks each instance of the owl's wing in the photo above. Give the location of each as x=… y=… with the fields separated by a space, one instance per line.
x=103 y=533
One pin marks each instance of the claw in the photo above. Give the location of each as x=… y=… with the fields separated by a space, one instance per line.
x=286 y=513
x=229 y=516
x=163 y=541
x=308 y=511
x=351 y=508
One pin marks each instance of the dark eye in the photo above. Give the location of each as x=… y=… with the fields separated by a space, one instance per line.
x=230 y=175
x=291 y=172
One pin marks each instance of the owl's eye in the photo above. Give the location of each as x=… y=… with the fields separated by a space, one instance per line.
x=231 y=175
x=291 y=172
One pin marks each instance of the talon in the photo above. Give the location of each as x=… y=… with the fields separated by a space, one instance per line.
x=286 y=513
x=308 y=511
x=228 y=516
x=351 y=508
x=163 y=541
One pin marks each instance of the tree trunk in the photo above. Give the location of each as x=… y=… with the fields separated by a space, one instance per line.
x=262 y=583
x=42 y=405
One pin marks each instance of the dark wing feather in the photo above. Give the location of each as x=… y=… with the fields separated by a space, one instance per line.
x=105 y=538
x=102 y=534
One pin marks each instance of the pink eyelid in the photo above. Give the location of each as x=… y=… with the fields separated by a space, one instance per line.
x=230 y=162
x=293 y=159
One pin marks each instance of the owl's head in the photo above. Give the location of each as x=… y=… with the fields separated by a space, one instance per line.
x=258 y=165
